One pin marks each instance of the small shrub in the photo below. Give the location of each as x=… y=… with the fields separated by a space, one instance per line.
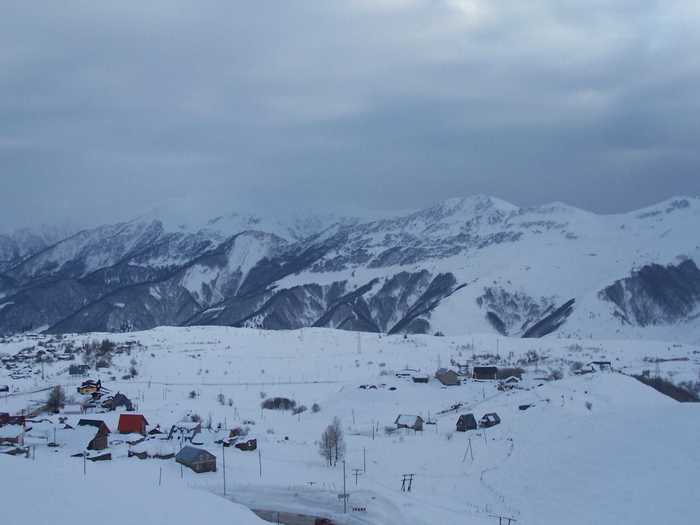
x=279 y=403
x=315 y=408
x=589 y=405
x=299 y=410
x=195 y=418
x=192 y=394
x=221 y=399
x=555 y=374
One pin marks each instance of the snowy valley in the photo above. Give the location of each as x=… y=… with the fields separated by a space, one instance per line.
x=579 y=440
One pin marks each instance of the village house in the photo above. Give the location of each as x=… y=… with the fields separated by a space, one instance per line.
x=447 y=377
x=466 y=422
x=408 y=421
x=198 y=459
x=12 y=435
x=132 y=424
x=185 y=430
x=153 y=448
x=489 y=420
x=485 y=373
x=116 y=401
x=100 y=441
x=509 y=383
x=78 y=370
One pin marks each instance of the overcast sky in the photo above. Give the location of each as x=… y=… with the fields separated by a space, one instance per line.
x=110 y=107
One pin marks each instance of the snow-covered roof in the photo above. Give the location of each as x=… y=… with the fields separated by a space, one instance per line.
x=187 y=426
x=154 y=447
x=11 y=431
x=408 y=420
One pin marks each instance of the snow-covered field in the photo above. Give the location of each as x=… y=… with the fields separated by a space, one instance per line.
x=596 y=448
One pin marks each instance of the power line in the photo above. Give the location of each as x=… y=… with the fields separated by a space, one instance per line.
x=503 y=520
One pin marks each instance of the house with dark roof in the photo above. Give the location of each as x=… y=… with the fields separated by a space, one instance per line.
x=466 y=422
x=198 y=459
x=116 y=401
x=485 y=372
x=78 y=370
x=101 y=439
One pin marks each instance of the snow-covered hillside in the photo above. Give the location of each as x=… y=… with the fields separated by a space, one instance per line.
x=595 y=448
x=463 y=265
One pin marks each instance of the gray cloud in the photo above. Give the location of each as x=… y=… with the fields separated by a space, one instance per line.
x=106 y=109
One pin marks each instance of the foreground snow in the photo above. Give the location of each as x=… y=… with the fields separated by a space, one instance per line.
x=52 y=490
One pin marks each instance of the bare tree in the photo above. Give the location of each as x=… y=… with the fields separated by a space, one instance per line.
x=332 y=444
x=56 y=399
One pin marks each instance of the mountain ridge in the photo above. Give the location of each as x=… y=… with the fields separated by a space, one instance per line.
x=464 y=264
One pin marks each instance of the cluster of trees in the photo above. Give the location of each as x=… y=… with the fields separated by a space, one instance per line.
x=98 y=354
x=332 y=444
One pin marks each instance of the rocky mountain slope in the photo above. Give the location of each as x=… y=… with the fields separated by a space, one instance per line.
x=463 y=265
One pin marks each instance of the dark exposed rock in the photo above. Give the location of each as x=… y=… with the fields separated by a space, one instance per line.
x=551 y=322
x=511 y=313
x=656 y=294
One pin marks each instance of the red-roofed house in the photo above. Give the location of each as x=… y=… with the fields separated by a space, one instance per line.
x=132 y=424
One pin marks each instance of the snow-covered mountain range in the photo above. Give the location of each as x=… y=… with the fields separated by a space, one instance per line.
x=463 y=265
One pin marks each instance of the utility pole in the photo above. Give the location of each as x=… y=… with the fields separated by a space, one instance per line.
x=344 y=495
x=406 y=482
x=223 y=455
x=160 y=476
x=469 y=450
x=364 y=460
x=260 y=462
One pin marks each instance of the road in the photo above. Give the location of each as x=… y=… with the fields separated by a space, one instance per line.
x=286 y=518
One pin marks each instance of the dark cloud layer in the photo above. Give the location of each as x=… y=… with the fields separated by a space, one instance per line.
x=108 y=108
